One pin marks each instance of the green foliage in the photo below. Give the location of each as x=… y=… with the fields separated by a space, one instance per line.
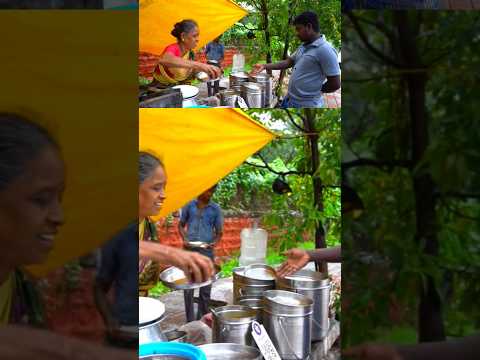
x=328 y=12
x=293 y=218
x=158 y=290
x=386 y=265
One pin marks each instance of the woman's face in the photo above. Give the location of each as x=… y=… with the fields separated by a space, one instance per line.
x=152 y=193
x=31 y=211
x=190 y=39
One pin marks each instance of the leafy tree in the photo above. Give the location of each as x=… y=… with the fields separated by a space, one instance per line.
x=309 y=160
x=411 y=153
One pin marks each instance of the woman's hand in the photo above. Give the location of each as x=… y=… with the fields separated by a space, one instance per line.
x=197 y=268
x=213 y=72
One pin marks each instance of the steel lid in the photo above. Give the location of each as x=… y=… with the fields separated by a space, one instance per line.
x=149 y=310
x=305 y=279
x=287 y=303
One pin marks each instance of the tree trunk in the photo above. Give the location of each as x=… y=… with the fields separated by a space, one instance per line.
x=285 y=49
x=266 y=31
x=430 y=318
x=309 y=126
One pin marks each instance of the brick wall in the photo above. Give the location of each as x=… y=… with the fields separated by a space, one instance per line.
x=230 y=243
x=148 y=61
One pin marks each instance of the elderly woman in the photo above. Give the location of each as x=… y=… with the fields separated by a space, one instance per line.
x=176 y=63
x=32 y=178
x=152 y=178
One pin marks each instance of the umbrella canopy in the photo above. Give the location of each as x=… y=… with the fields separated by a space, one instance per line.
x=199 y=147
x=75 y=81
x=158 y=17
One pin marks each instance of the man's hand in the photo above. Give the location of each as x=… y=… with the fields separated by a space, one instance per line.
x=296 y=259
x=256 y=69
x=373 y=352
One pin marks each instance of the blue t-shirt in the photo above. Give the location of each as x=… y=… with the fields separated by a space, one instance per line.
x=119 y=266
x=312 y=64
x=214 y=51
x=202 y=224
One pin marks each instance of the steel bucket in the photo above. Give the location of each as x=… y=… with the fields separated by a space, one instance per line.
x=252 y=94
x=316 y=286
x=252 y=280
x=233 y=324
x=265 y=81
x=287 y=318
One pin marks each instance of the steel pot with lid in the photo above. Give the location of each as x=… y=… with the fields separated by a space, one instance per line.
x=228 y=97
x=233 y=324
x=252 y=94
x=287 y=318
x=265 y=82
x=151 y=313
x=228 y=351
x=316 y=286
x=237 y=79
x=252 y=280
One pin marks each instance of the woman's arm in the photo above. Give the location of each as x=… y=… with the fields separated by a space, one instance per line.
x=170 y=60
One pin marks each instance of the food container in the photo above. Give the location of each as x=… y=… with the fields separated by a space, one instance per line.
x=316 y=286
x=233 y=324
x=252 y=280
x=252 y=94
x=265 y=82
x=287 y=318
x=151 y=313
x=255 y=303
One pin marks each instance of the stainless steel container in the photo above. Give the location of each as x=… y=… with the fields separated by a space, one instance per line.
x=255 y=303
x=151 y=314
x=265 y=82
x=148 y=333
x=252 y=94
x=228 y=98
x=225 y=351
x=287 y=317
x=213 y=87
x=233 y=324
x=237 y=79
x=252 y=280
x=316 y=286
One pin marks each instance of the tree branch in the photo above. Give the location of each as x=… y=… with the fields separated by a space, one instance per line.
x=292 y=120
x=368 y=45
x=281 y=173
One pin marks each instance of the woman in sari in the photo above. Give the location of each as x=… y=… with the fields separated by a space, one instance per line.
x=32 y=178
x=176 y=64
x=198 y=268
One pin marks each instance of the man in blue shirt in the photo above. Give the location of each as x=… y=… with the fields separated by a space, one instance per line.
x=215 y=51
x=201 y=220
x=315 y=61
x=119 y=268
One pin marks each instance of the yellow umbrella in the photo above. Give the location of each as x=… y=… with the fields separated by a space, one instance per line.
x=74 y=72
x=199 y=147
x=157 y=18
